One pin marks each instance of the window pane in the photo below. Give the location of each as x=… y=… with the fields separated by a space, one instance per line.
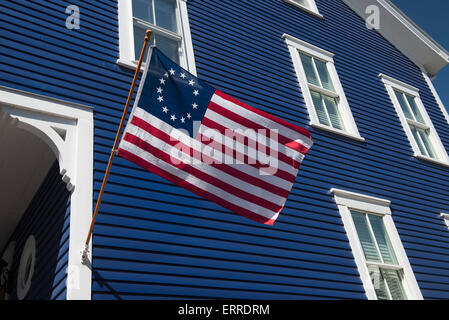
x=166 y=14
x=365 y=237
x=143 y=9
x=168 y=46
x=139 y=36
x=324 y=75
x=404 y=106
x=319 y=108
x=415 y=110
x=427 y=144
x=334 y=114
x=394 y=284
x=421 y=147
x=309 y=69
x=383 y=242
x=379 y=283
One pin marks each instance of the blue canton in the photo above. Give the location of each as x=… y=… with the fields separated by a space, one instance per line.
x=173 y=94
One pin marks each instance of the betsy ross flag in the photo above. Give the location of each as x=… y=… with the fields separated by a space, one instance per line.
x=205 y=141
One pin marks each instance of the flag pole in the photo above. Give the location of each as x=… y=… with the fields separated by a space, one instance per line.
x=114 y=148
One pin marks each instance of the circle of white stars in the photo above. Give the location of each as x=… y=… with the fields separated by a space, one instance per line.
x=160 y=96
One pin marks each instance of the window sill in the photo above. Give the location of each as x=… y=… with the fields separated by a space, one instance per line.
x=440 y=162
x=308 y=10
x=337 y=131
x=130 y=64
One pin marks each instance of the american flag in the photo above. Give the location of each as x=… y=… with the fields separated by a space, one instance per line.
x=205 y=141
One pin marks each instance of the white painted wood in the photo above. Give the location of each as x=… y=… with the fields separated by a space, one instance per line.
x=40 y=115
x=306 y=5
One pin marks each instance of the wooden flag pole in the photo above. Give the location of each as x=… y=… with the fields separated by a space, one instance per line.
x=114 y=148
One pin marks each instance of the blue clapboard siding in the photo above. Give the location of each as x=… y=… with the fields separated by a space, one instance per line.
x=48 y=220
x=155 y=240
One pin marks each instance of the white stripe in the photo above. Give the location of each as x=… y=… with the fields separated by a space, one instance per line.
x=268 y=123
x=173 y=132
x=125 y=145
x=228 y=123
x=174 y=153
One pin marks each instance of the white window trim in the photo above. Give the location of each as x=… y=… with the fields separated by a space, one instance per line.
x=391 y=84
x=295 y=45
x=446 y=218
x=346 y=201
x=313 y=8
x=126 y=36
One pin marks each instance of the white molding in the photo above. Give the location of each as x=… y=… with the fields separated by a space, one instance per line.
x=404 y=34
x=308 y=48
x=39 y=115
x=126 y=37
x=437 y=97
x=338 y=131
x=313 y=8
x=391 y=84
x=295 y=45
x=399 y=84
x=346 y=201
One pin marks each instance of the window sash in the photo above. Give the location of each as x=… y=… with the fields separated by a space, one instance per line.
x=156 y=12
x=380 y=256
x=422 y=139
x=320 y=84
x=375 y=237
x=169 y=41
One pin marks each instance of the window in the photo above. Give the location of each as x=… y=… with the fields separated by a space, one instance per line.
x=417 y=125
x=307 y=5
x=378 y=252
x=321 y=88
x=171 y=32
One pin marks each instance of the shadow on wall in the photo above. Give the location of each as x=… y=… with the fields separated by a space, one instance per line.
x=47 y=220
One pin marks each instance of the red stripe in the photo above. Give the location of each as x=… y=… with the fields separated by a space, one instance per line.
x=264 y=114
x=202 y=175
x=202 y=193
x=142 y=124
x=222 y=129
x=255 y=126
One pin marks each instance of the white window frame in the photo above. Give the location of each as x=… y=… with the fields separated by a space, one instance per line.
x=446 y=218
x=126 y=36
x=391 y=85
x=311 y=8
x=296 y=46
x=347 y=201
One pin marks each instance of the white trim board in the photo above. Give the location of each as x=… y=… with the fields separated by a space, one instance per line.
x=41 y=116
x=404 y=34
